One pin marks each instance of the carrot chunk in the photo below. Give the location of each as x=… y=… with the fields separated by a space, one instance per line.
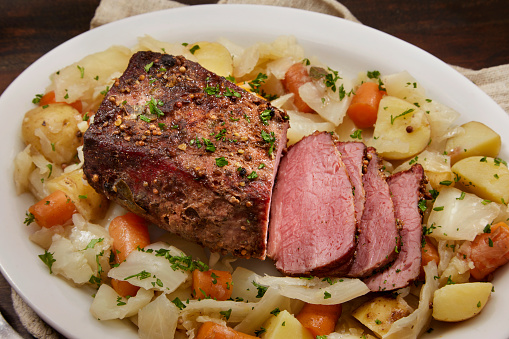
x=296 y=76
x=55 y=209
x=128 y=232
x=363 y=109
x=212 y=283
x=210 y=330
x=49 y=98
x=319 y=319
x=490 y=250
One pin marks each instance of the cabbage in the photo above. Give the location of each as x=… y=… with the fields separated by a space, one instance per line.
x=459 y=216
x=316 y=290
x=304 y=124
x=109 y=305
x=242 y=285
x=149 y=271
x=416 y=323
x=158 y=320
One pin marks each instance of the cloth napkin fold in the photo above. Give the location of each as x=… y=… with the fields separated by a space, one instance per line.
x=493 y=80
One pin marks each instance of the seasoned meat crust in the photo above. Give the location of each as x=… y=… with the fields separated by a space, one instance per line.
x=189 y=151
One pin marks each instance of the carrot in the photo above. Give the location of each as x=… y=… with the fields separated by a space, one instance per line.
x=49 y=98
x=55 y=209
x=212 y=283
x=490 y=250
x=296 y=76
x=363 y=109
x=429 y=253
x=319 y=319
x=210 y=330
x=128 y=232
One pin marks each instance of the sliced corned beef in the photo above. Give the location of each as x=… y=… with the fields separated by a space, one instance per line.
x=312 y=227
x=379 y=238
x=353 y=155
x=406 y=188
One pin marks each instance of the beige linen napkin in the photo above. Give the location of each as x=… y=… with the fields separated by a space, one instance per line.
x=494 y=81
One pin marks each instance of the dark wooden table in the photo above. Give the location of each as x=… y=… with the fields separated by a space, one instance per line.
x=472 y=34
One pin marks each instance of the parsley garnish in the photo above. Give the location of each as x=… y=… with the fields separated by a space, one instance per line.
x=265 y=116
x=252 y=176
x=275 y=311
x=357 y=134
x=183 y=262
x=270 y=139
x=422 y=205
x=408 y=111
x=152 y=105
x=178 y=303
x=226 y=314
x=209 y=146
x=142 y=275
x=47 y=258
x=373 y=74
x=326 y=295
x=30 y=218
x=82 y=71
x=446 y=182
x=261 y=289
x=37 y=99
x=92 y=243
x=221 y=162
x=487 y=228
x=194 y=49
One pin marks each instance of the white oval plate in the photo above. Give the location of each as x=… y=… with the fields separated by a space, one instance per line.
x=339 y=43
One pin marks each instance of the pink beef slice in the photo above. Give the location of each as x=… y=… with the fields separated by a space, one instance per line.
x=312 y=227
x=378 y=241
x=354 y=155
x=189 y=151
x=407 y=189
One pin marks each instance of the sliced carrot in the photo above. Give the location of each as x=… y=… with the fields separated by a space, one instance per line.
x=210 y=330
x=363 y=109
x=319 y=319
x=128 y=232
x=296 y=76
x=49 y=98
x=490 y=251
x=212 y=283
x=55 y=209
x=429 y=253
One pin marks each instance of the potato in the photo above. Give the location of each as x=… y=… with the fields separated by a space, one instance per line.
x=53 y=131
x=402 y=130
x=214 y=57
x=486 y=177
x=459 y=302
x=381 y=312
x=475 y=139
x=285 y=325
x=90 y=204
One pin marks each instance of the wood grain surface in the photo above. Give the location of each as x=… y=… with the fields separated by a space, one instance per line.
x=472 y=34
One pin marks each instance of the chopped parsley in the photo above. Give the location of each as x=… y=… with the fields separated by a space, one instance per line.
x=140 y=276
x=252 y=176
x=178 y=303
x=93 y=242
x=270 y=139
x=226 y=314
x=37 y=99
x=408 y=111
x=487 y=228
x=29 y=218
x=221 y=162
x=265 y=116
x=194 y=49
x=82 y=71
x=48 y=259
x=326 y=295
x=152 y=106
x=357 y=134
x=275 y=311
x=209 y=146
x=261 y=289
x=148 y=66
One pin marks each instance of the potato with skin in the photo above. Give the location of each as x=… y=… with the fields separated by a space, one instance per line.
x=475 y=139
x=90 y=204
x=53 y=131
x=486 y=177
x=459 y=302
x=381 y=312
x=402 y=129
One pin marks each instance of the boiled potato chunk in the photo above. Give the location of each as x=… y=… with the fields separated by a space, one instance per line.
x=475 y=139
x=285 y=325
x=53 y=131
x=214 y=57
x=486 y=177
x=459 y=302
x=402 y=130
x=381 y=312
x=90 y=204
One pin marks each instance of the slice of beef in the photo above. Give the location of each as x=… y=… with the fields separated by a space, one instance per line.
x=312 y=227
x=354 y=156
x=379 y=240
x=407 y=189
x=189 y=151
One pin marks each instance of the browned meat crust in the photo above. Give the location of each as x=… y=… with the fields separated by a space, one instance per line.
x=189 y=151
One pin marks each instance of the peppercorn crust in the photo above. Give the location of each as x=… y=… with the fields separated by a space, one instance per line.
x=189 y=151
